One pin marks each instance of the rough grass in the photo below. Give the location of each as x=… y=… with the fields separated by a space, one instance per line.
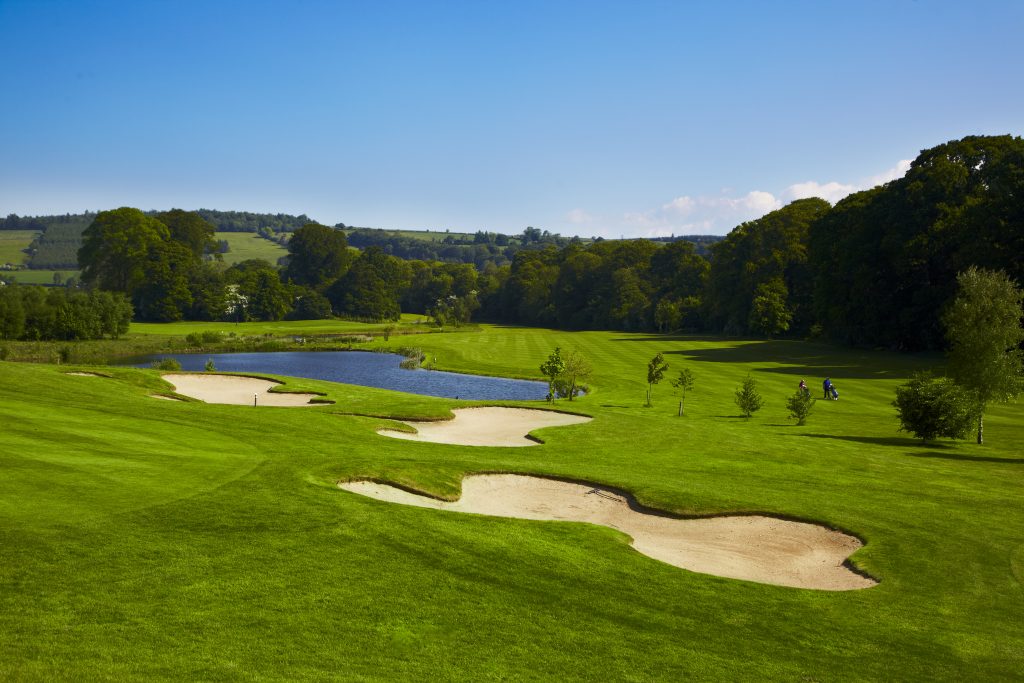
x=161 y=540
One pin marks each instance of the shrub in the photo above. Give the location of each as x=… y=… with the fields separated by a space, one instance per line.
x=210 y=367
x=747 y=398
x=169 y=364
x=800 y=405
x=930 y=407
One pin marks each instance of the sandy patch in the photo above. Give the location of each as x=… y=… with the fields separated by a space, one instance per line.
x=235 y=390
x=753 y=548
x=165 y=398
x=85 y=374
x=487 y=426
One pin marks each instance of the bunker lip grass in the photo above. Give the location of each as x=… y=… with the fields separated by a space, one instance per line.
x=237 y=390
x=487 y=426
x=748 y=547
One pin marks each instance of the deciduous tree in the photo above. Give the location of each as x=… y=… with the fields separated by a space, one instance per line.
x=983 y=327
x=656 y=369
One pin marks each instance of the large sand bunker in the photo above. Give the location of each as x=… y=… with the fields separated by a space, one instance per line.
x=487 y=427
x=235 y=390
x=753 y=548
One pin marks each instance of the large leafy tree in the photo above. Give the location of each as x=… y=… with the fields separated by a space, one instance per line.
x=189 y=229
x=318 y=255
x=983 y=326
x=885 y=260
x=157 y=261
x=371 y=288
x=117 y=246
x=751 y=263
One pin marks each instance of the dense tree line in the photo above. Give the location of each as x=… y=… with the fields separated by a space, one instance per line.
x=876 y=269
x=38 y=313
x=245 y=221
x=885 y=260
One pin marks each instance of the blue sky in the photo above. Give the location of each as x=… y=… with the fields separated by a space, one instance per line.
x=591 y=118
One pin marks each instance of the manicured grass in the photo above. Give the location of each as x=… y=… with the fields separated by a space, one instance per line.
x=247 y=245
x=145 y=539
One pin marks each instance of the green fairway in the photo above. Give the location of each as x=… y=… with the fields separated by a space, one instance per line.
x=146 y=539
x=248 y=245
x=13 y=244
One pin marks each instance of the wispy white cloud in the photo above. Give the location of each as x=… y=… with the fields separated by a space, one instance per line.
x=718 y=214
x=579 y=217
x=701 y=214
x=834 y=191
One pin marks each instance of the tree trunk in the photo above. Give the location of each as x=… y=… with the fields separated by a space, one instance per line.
x=680 y=409
x=981 y=427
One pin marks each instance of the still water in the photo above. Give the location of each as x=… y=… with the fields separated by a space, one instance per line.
x=366 y=369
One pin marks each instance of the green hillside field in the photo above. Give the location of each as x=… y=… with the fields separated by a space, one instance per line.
x=12 y=245
x=159 y=540
x=248 y=245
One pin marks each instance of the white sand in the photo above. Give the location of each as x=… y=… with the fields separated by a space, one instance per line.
x=85 y=374
x=165 y=398
x=487 y=426
x=235 y=390
x=753 y=548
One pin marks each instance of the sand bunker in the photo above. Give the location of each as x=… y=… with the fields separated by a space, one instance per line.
x=753 y=548
x=487 y=427
x=235 y=390
x=165 y=398
x=85 y=374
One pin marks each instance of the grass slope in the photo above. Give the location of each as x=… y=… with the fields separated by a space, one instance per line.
x=247 y=245
x=160 y=540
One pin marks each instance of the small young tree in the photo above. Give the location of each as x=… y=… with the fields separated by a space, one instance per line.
x=984 y=333
x=655 y=372
x=747 y=397
x=930 y=407
x=683 y=382
x=552 y=368
x=800 y=405
x=577 y=370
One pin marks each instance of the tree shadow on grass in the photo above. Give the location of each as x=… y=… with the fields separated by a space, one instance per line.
x=899 y=441
x=968 y=458
x=808 y=359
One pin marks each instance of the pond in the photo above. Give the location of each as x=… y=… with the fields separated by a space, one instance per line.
x=366 y=369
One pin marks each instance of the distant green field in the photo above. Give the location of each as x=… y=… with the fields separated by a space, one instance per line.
x=283 y=327
x=425 y=235
x=248 y=245
x=12 y=243
x=40 y=277
x=434 y=235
